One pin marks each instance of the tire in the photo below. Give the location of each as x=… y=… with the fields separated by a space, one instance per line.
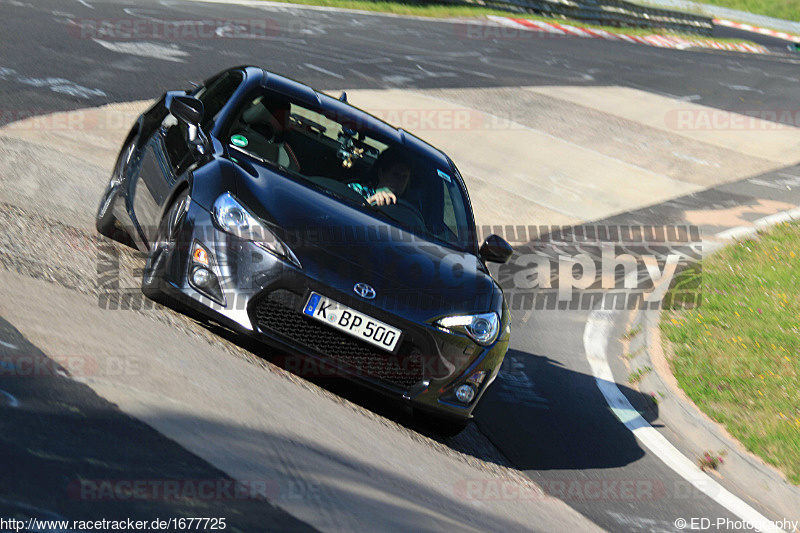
x=105 y=222
x=444 y=427
x=168 y=239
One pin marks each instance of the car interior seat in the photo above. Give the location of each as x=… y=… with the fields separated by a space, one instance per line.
x=266 y=125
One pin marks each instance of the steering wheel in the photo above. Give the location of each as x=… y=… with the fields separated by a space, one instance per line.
x=405 y=212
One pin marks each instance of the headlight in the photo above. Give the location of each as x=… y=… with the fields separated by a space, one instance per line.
x=232 y=217
x=483 y=328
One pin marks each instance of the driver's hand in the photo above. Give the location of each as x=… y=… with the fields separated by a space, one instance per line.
x=382 y=196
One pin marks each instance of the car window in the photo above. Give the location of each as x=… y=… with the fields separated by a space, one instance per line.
x=350 y=162
x=449 y=215
x=216 y=93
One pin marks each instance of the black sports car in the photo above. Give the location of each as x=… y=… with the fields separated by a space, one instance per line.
x=300 y=220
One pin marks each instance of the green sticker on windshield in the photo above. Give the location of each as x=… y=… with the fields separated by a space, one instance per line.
x=239 y=140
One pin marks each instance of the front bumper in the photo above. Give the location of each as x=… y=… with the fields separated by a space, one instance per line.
x=263 y=296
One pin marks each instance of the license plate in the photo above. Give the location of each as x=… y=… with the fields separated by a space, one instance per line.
x=350 y=321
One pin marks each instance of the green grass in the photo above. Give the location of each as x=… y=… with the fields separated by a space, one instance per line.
x=420 y=9
x=637 y=375
x=426 y=9
x=636 y=353
x=780 y=9
x=737 y=355
x=632 y=333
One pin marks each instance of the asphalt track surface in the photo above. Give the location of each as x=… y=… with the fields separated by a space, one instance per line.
x=77 y=431
x=773 y=43
x=44 y=55
x=563 y=431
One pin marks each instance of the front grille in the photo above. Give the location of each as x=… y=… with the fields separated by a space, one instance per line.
x=279 y=313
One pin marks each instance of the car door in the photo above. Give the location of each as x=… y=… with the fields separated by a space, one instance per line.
x=168 y=155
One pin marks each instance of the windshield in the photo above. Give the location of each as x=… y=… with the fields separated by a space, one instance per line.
x=355 y=165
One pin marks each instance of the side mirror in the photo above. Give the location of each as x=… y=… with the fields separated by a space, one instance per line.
x=495 y=249
x=187 y=109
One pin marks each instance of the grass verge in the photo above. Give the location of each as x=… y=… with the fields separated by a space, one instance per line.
x=466 y=11
x=779 y=9
x=737 y=356
x=419 y=9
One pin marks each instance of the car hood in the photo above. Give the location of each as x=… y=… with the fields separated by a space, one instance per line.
x=339 y=245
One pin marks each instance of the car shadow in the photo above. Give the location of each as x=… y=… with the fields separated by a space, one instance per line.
x=544 y=416
x=70 y=454
x=556 y=418
x=326 y=378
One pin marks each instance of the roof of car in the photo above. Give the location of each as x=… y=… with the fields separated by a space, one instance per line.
x=345 y=112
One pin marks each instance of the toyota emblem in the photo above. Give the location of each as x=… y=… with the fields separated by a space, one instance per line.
x=365 y=291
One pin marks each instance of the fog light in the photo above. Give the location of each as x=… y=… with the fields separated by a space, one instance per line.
x=465 y=393
x=202 y=277
x=205 y=281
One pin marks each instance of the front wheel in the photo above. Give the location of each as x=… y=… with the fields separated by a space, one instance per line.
x=168 y=240
x=105 y=222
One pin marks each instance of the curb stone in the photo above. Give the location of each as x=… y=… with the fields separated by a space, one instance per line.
x=693 y=432
x=661 y=41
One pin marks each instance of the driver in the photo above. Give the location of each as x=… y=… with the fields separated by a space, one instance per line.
x=394 y=174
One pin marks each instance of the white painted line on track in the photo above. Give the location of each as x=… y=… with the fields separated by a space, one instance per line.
x=322 y=70
x=145 y=49
x=641 y=523
x=133 y=12
x=12 y=402
x=8 y=345
x=595 y=341
x=58 y=85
